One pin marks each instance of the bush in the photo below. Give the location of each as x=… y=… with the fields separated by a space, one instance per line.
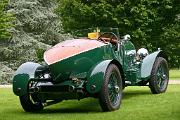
x=5 y=21
x=40 y=53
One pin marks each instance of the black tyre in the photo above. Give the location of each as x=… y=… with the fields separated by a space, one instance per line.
x=111 y=92
x=30 y=104
x=159 y=76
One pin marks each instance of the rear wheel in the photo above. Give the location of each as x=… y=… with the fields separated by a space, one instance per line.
x=111 y=92
x=159 y=76
x=30 y=104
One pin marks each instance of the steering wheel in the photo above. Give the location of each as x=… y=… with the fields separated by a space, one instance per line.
x=108 y=37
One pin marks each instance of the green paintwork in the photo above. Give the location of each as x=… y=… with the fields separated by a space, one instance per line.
x=128 y=47
x=130 y=68
x=90 y=65
x=22 y=77
x=79 y=65
x=96 y=76
x=20 y=84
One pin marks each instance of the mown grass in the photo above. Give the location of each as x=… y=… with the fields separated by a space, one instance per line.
x=174 y=74
x=138 y=104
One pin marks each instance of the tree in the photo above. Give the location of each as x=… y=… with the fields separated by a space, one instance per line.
x=5 y=21
x=151 y=23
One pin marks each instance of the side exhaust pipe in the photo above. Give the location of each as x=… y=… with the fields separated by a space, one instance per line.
x=52 y=88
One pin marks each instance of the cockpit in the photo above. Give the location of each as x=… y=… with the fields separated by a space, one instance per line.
x=106 y=35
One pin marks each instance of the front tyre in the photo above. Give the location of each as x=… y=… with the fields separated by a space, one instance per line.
x=159 y=76
x=111 y=92
x=30 y=104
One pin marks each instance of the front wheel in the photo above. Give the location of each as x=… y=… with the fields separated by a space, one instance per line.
x=159 y=76
x=30 y=104
x=111 y=92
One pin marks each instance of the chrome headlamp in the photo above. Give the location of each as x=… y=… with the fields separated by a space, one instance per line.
x=142 y=53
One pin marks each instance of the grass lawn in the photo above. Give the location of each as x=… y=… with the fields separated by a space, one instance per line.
x=174 y=74
x=138 y=104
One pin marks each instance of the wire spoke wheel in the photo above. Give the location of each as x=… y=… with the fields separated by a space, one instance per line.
x=111 y=91
x=114 y=89
x=159 y=76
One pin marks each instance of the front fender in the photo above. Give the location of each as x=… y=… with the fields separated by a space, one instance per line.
x=22 y=77
x=96 y=76
x=148 y=62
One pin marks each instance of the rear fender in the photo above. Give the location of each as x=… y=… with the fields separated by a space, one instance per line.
x=22 y=77
x=96 y=76
x=148 y=62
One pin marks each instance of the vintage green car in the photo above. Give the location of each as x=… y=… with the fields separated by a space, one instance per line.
x=95 y=63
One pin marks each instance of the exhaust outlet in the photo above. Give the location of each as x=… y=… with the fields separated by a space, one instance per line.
x=71 y=88
x=52 y=88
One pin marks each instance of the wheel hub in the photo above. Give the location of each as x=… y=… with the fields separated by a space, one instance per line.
x=164 y=77
x=116 y=89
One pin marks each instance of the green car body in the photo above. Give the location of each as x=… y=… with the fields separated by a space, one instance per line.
x=82 y=74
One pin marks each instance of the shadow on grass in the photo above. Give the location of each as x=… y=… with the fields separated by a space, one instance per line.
x=84 y=106
x=91 y=105
x=87 y=105
x=70 y=110
x=129 y=94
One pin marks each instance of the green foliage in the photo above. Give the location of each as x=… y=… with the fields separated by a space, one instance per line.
x=5 y=20
x=151 y=23
x=40 y=53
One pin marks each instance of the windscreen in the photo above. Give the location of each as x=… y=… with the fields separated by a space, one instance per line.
x=93 y=33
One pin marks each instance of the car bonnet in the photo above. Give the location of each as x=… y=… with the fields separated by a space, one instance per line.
x=70 y=48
